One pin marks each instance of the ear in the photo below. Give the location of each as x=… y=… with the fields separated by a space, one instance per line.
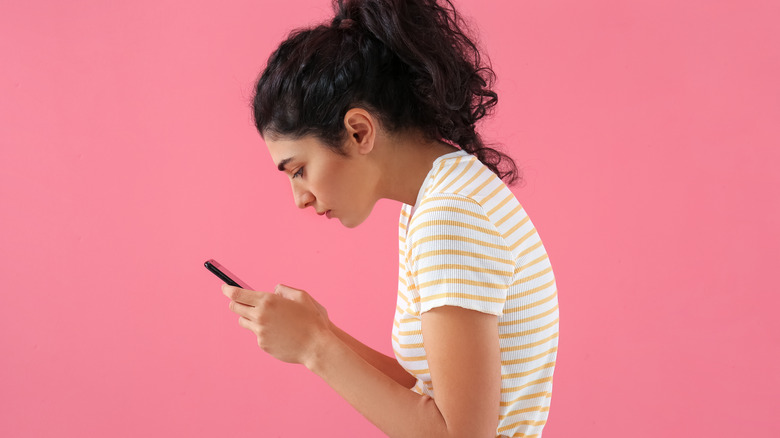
x=361 y=129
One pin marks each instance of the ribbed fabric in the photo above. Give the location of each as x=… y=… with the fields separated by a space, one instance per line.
x=468 y=242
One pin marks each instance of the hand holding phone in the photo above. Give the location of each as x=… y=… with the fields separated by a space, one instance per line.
x=225 y=275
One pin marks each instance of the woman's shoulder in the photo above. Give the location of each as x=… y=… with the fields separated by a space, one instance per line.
x=464 y=180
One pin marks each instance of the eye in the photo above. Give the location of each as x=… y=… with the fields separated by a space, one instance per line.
x=298 y=173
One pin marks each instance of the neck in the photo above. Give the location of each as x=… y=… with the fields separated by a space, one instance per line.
x=404 y=161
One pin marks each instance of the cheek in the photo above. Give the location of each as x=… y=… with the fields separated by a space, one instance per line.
x=343 y=184
x=339 y=182
x=326 y=184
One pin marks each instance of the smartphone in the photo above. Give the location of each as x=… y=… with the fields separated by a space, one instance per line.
x=225 y=275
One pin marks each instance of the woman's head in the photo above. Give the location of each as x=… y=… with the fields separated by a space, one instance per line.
x=344 y=184
x=408 y=62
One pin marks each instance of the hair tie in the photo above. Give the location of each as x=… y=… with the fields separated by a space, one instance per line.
x=346 y=23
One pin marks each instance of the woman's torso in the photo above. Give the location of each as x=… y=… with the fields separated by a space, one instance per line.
x=468 y=242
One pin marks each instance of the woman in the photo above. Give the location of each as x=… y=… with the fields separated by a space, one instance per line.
x=382 y=103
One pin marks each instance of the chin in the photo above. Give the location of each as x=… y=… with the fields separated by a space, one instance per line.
x=353 y=222
x=350 y=224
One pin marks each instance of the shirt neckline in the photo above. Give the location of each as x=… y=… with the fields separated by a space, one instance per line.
x=429 y=177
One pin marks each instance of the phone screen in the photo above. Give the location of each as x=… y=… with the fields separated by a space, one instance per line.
x=225 y=275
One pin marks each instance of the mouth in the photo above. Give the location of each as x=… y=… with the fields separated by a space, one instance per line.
x=325 y=213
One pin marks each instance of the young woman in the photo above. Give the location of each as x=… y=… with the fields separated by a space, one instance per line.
x=382 y=102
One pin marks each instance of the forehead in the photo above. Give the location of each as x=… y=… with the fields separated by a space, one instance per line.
x=303 y=148
x=286 y=145
x=282 y=148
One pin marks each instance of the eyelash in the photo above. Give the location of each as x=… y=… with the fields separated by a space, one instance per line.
x=298 y=173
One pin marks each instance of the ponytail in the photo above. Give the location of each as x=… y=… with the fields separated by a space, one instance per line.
x=409 y=61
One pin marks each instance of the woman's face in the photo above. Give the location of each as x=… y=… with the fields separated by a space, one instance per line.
x=333 y=185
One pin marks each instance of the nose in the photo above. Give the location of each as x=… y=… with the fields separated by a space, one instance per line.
x=303 y=197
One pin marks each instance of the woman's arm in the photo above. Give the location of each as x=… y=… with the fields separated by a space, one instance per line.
x=386 y=364
x=461 y=345
x=464 y=360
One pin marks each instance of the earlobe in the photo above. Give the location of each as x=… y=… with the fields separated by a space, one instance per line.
x=361 y=128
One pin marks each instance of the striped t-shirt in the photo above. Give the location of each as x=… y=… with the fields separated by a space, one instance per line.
x=469 y=243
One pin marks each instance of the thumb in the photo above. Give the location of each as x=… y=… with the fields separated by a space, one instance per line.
x=288 y=292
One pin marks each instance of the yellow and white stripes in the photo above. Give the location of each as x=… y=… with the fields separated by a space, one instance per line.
x=469 y=243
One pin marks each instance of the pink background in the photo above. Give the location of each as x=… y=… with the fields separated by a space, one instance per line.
x=649 y=137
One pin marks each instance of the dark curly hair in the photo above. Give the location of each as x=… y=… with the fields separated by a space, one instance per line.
x=408 y=61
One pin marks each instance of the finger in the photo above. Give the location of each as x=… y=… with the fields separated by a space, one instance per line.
x=244 y=296
x=242 y=310
x=249 y=325
x=288 y=292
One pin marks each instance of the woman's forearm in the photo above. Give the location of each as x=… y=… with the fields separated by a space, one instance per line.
x=389 y=405
x=382 y=362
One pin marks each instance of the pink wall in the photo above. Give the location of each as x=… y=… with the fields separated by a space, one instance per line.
x=648 y=132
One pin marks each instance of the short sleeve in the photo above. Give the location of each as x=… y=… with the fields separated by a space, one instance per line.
x=457 y=256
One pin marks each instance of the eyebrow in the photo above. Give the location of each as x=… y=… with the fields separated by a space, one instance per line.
x=283 y=163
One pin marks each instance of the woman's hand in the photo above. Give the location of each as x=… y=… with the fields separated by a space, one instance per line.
x=289 y=323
